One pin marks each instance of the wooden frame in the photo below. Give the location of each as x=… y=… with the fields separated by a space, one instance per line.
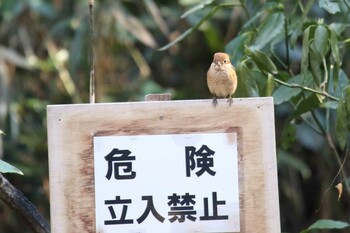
x=71 y=129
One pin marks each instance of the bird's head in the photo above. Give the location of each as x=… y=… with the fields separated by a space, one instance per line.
x=221 y=59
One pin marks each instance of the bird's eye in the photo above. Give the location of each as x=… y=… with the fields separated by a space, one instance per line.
x=225 y=61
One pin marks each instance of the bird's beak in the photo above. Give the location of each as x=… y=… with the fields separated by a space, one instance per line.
x=219 y=63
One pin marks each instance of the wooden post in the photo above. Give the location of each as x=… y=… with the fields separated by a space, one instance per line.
x=158 y=97
x=71 y=129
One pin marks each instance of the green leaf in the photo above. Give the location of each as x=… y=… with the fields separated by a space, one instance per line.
x=300 y=22
x=347 y=105
x=8 y=168
x=343 y=81
x=263 y=62
x=288 y=136
x=236 y=47
x=247 y=85
x=268 y=8
x=330 y=104
x=213 y=10
x=330 y=5
x=1 y=132
x=272 y=26
x=210 y=3
x=260 y=80
x=270 y=85
x=283 y=94
x=190 y=30
x=336 y=57
x=341 y=129
x=315 y=62
x=131 y=25
x=321 y=40
x=338 y=28
x=198 y=7
x=310 y=103
x=305 y=52
x=323 y=224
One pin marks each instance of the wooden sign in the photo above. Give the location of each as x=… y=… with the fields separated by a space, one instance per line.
x=112 y=192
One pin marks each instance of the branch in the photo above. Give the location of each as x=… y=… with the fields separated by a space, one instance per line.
x=17 y=201
x=340 y=163
x=92 y=58
x=332 y=183
x=294 y=85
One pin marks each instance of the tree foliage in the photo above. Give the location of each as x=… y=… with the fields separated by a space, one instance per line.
x=295 y=51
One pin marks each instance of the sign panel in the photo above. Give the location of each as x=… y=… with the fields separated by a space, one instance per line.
x=174 y=183
x=139 y=192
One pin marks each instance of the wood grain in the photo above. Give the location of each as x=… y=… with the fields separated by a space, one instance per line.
x=71 y=129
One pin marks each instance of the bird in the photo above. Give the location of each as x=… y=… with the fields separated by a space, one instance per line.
x=222 y=78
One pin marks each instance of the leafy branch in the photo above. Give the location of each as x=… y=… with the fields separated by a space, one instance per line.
x=214 y=7
x=305 y=88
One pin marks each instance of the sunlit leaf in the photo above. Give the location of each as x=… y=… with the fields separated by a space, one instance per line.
x=157 y=16
x=133 y=25
x=336 y=58
x=270 y=85
x=190 y=30
x=338 y=28
x=178 y=39
x=323 y=224
x=269 y=29
x=197 y=7
x=321 y=40
x=14 y=58
x=263 y=61
x=330 y=5
x=329 y=104
x=8 y=168
x=1 y=132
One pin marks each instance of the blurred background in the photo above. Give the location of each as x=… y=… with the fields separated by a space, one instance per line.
x=44 y=59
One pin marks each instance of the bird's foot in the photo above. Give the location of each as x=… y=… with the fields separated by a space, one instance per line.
x=215 y=102
x=229 y=100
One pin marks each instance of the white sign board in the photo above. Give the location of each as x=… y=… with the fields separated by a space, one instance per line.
x=178 y=183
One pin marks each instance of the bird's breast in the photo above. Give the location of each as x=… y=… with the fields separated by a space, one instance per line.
x=221 y=83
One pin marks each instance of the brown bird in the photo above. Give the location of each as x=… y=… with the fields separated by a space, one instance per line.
x=221 y=78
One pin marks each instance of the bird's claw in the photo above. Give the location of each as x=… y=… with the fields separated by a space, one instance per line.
x=229 y=100
x=215 y=102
